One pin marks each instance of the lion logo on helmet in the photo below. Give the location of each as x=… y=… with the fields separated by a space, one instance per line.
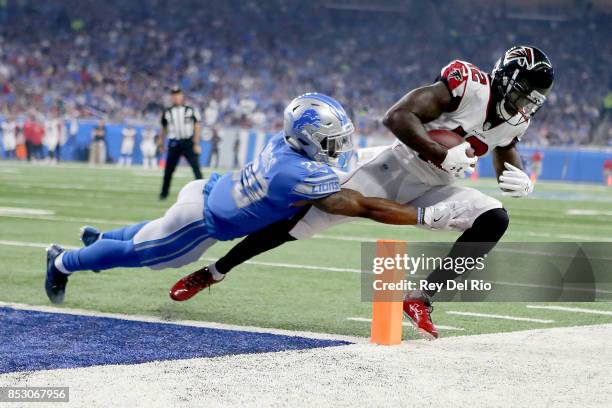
x=309 y=117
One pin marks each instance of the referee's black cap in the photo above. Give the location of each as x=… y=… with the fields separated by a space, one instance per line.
x=175 y=89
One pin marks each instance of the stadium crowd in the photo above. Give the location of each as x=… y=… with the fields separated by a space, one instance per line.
x=241 y=61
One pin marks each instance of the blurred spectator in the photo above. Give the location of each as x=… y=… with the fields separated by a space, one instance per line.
x=97 y=148
x=33 y=133
x=128 y=138
x=236 y=151
x=148 y=147
x=536 y=165
x=54 y=138
x=608 y=172
x=86 y=58
x=214 y=148
x=9 y=138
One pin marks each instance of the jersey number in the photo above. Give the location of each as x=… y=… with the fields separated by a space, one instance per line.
x=477 y=76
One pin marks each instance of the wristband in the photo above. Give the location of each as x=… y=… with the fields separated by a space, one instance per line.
x=420 y=215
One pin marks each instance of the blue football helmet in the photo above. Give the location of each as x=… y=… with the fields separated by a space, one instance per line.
x=318 y=126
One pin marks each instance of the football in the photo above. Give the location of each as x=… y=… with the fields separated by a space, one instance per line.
x=448 y=139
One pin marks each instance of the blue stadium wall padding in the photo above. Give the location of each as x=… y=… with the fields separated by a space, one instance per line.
x=559 y=163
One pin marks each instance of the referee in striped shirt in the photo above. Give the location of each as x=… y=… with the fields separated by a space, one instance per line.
x=181 y=123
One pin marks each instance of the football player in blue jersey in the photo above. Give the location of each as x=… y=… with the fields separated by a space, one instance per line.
x=293 y=171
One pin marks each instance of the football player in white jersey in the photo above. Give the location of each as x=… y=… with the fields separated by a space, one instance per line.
x=148 y=147
x=128 y=134
x=9 y=140
x=491 y=113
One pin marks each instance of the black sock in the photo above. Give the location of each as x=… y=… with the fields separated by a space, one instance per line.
x=259 y=242
x=475 y=242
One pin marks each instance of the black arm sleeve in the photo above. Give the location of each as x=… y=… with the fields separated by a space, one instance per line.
x=261 y=241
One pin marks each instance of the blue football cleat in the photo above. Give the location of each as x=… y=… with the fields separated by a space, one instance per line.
x=55 y=283
x=88 y=236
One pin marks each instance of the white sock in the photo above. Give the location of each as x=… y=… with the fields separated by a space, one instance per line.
x=60 y=265
x=215 y=273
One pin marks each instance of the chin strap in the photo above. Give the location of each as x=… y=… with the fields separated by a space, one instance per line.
x=501 y=110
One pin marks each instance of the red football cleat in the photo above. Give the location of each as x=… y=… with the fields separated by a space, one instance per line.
x=190 y=285
x=417 y=311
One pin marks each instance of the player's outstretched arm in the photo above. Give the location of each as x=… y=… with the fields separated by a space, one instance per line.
x=353 y=204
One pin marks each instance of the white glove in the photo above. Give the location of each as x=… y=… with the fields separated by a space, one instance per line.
x=457 y=162
x=516 y=181
x=450 y=215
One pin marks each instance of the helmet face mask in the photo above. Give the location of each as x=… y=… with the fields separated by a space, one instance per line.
x=519 y=101
x=522 y=78
x=318 y=127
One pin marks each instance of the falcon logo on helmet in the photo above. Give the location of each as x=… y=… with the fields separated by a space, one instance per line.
x=525 y=57
x=522 y=55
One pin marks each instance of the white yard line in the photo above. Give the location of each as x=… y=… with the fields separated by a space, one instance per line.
x=555 y=287
x=304 y=266
x=496 y=316
x=293 y=266
x=32 y=244
x=574 y=237
x=208 y=259
x=193 y=323
x=68 y=219
x=20 y=211
x=579 y=211
x=366 y=320
x=340 y=238
x=567 y=236
x=571 y=309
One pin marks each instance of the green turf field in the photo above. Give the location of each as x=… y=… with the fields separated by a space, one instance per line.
x=44 y=204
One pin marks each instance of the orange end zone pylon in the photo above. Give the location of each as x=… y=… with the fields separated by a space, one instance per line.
x=387 y=310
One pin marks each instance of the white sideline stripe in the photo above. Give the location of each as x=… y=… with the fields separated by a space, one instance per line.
x=339 y=238
x=68 y=219
x=292 y=266
x=317 y=236
x=300 y=266
x=307 y=267
x=601 y=238
x=271 y=264
x=366 y=320
x=578 y=211
x=567 y=236
x=572 y=309
x=18 y=211
x=32 y=244
x=503 y=317
x=192 y=323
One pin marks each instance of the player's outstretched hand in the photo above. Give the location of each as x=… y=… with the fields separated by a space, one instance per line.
x=457 y=161
x=450 y=215
x=515 y=182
